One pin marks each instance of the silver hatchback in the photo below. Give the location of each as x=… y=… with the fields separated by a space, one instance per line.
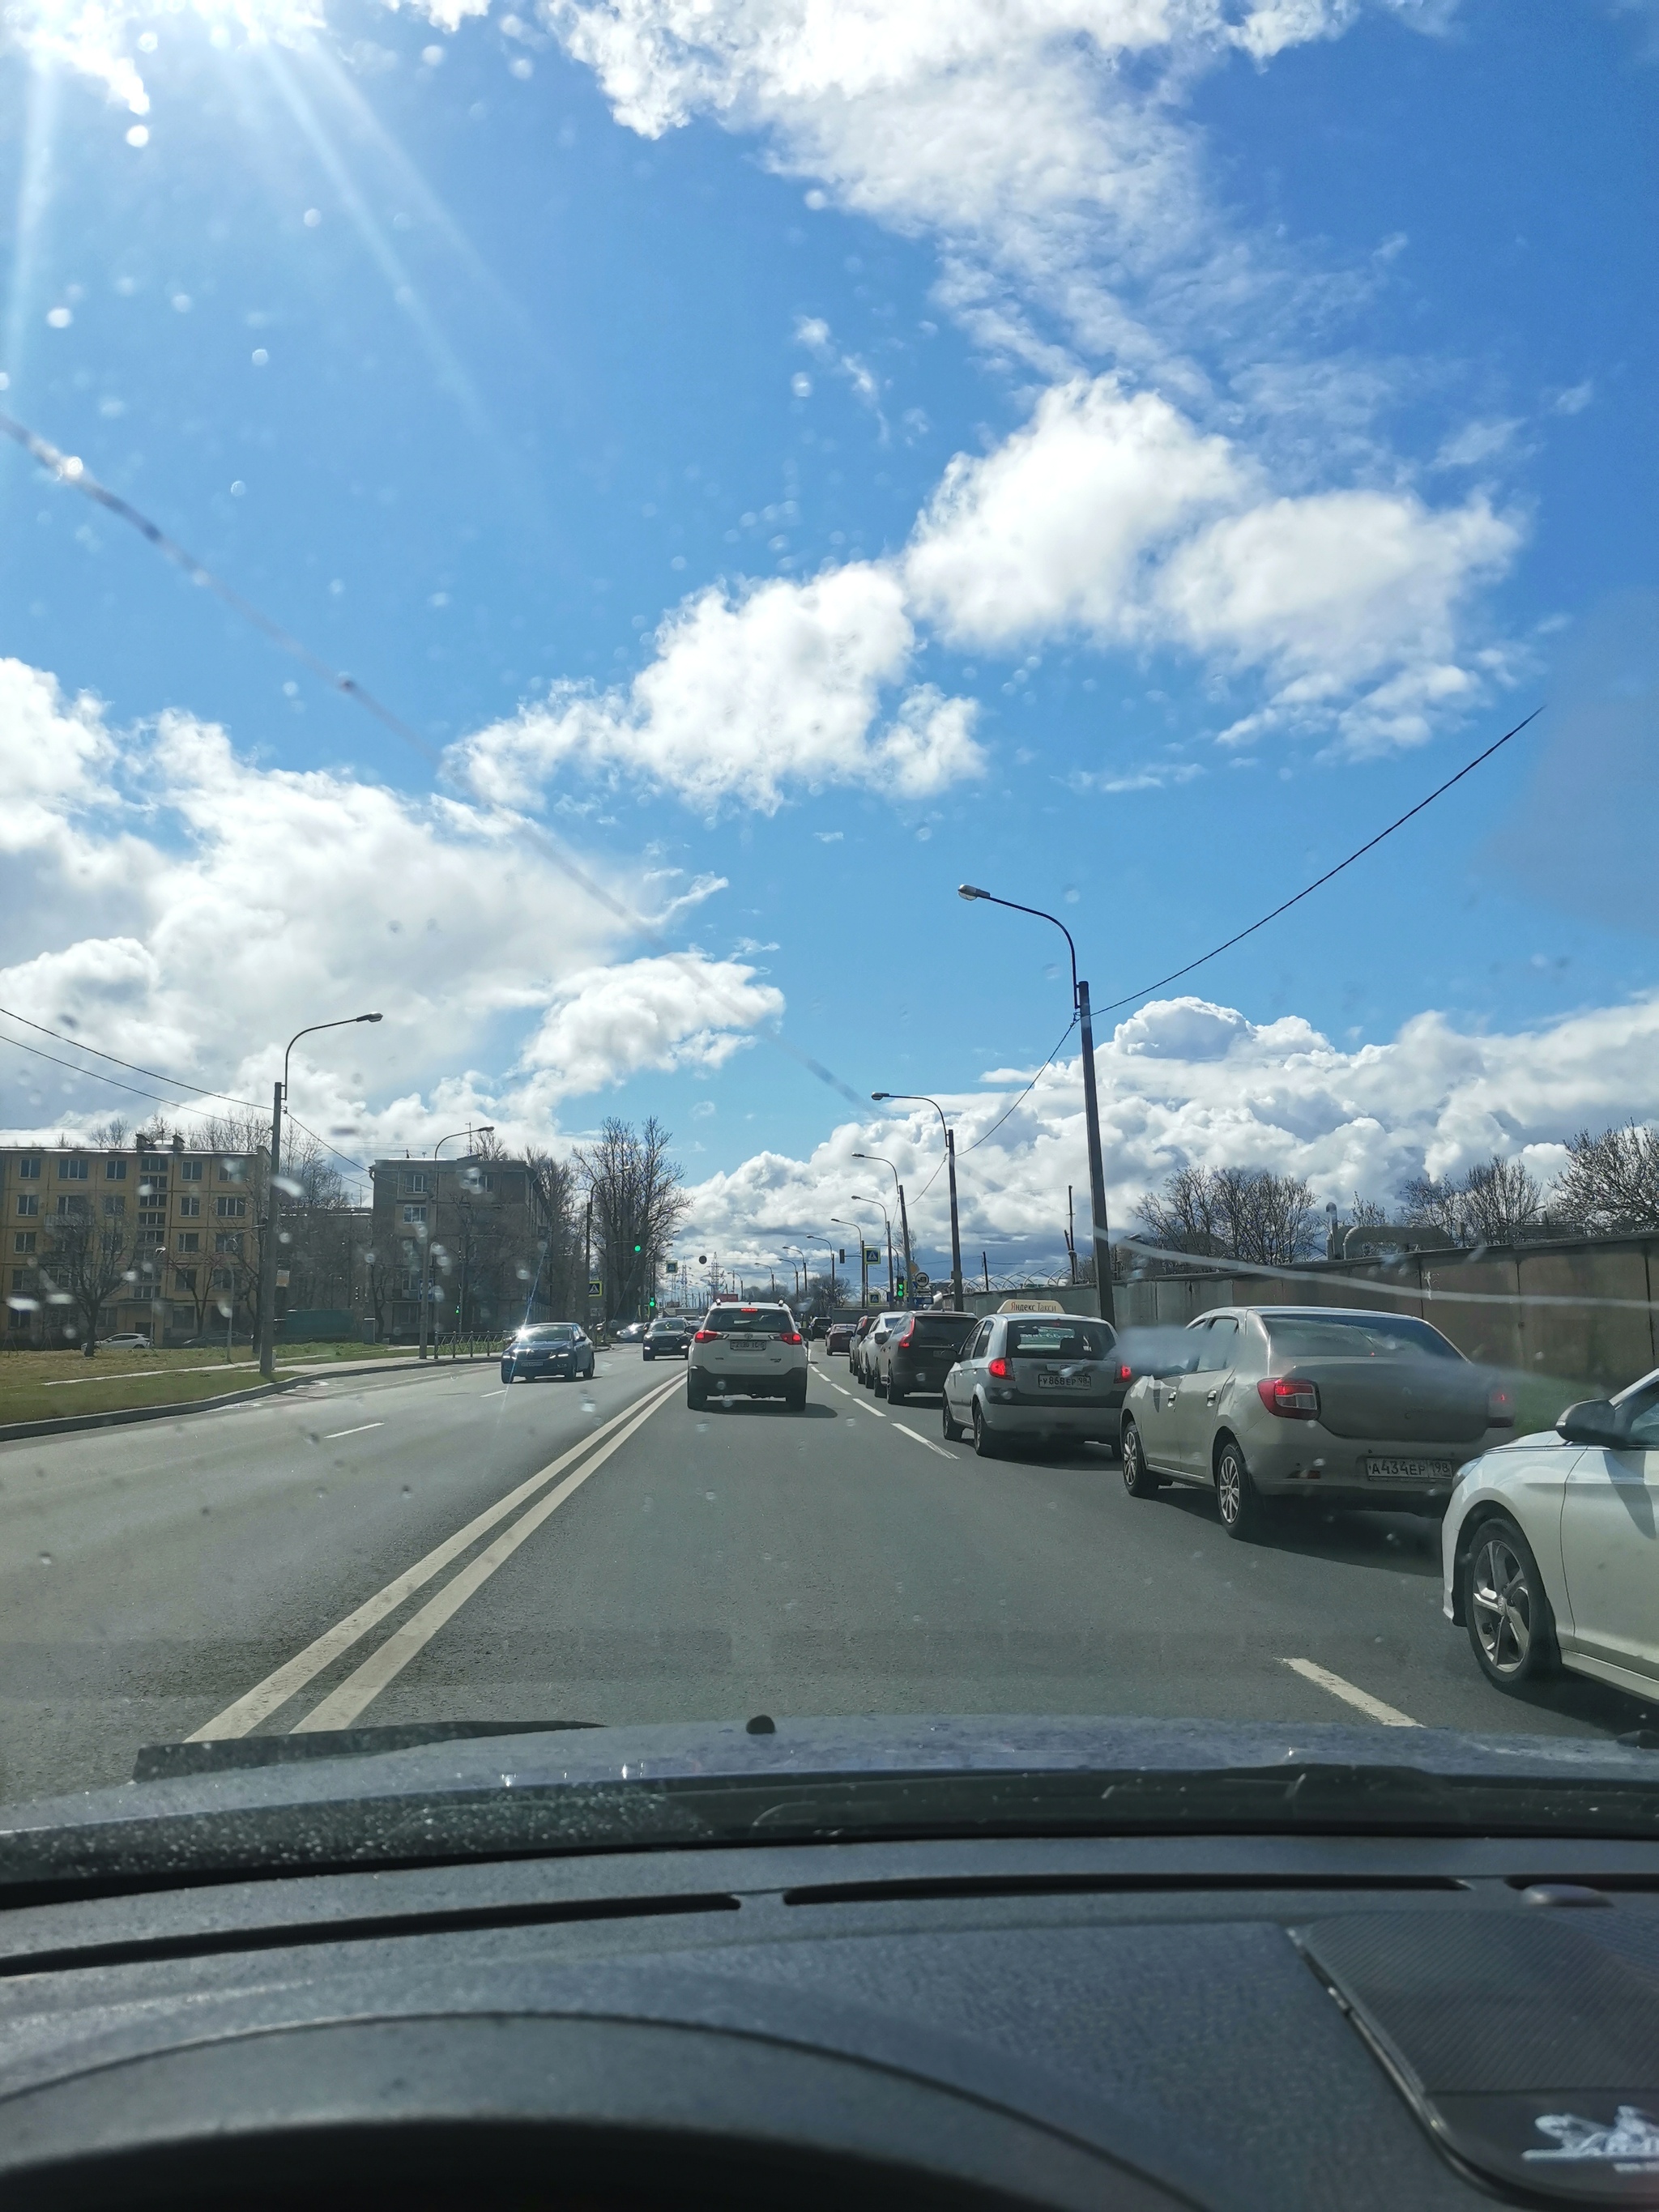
x=1334 y=1405
x=1035 y=1378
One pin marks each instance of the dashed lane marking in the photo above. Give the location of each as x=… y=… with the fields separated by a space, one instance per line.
x=927 y=1442
x=1362 y=1700
x=362 y=1429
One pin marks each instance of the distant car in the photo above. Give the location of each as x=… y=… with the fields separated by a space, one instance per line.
x=668 y=1339
x=128 y=1340
x=633 y=1334
x=875 y=1344
x=861 y=1328
x=1327 y=1404
x=919 y=1353
x=818 y=1328
x=1029 y=1377
x=1550 y=1547
x=752 y=1351
x=547 y=1348
x=839 y=1336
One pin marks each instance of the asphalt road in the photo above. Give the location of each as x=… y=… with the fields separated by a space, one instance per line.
x=430 y=1546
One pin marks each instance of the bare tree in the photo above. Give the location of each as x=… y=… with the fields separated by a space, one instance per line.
x=1182 y=1216
x=1610 y=1184
x=553 y=1184
x=639 y=1200
x=86 y=1258
x=1233 y=1213
x=1498 y=1202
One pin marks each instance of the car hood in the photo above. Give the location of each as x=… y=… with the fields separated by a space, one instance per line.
x=374 y=1796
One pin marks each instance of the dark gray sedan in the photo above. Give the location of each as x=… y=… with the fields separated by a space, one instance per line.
x=548 y=1349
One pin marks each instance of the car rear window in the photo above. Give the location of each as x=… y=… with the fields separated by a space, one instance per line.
x=942 y=1329
x=749 y=1321
x=1357 y=1336
x=1059 y=1339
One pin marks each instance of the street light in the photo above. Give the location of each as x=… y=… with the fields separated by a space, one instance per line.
x=863 y=1264
x=917 y=1098
x=488 y=1130
x=1091 y=1102
x=859 y=1199
x=273 y=1203
x=904 y=1219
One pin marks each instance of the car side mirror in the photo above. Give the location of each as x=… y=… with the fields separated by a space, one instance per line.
x=1596 y=1421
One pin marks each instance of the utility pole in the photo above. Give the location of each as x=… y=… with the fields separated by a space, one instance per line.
x=955 y=1232
x=1071 y=1240
x=268 y=1249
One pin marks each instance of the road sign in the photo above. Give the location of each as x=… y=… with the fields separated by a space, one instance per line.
x=873 y=1255
x=671 y=1266
x=595 y=1287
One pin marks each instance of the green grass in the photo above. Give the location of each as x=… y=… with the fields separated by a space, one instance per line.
x=44 y=1386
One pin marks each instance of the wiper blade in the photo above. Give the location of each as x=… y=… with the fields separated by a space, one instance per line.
x=428 y=1821
x=158 y=1762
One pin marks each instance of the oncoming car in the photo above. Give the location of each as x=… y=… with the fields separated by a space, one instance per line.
x=548 y=1348
x=1333 y=1405
x=750 y=1352
x=668 y=1339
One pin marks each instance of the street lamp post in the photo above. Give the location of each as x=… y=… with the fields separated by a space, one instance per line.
x=917 y=1098
x=1102 y=1249
x=904 y=1219
x=489 y=1130
x=863 y=1264
x=273 y=1204
x=859 y=1199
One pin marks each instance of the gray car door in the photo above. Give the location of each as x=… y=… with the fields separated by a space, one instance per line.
x=1192 y=1417
x=959 y=1383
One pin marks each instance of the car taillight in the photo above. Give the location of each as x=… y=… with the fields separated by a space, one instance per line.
x=1126 y=1373
x=789 y=1336
x=906 y=1335
x=1500 y=1409
x=998 y=1367
x=1290 y=1398
x=706 y=1336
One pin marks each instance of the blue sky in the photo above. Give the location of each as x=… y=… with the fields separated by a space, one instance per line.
x=1192 y=441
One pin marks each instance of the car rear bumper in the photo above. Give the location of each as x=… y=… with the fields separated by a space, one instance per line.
x=1305 y=1459
x=773 y=1382
x=1099 y=1420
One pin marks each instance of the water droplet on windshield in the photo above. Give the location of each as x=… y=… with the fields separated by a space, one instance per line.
x=46 y=1559
x=588 y=1405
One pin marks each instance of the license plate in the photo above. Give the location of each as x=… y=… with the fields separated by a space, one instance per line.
x=1408 y=1470
x=1065 y=1382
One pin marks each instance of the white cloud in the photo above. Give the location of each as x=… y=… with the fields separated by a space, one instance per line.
x=752 y=694
x=815 y=334
x=156 y=875
x=1184 y=1079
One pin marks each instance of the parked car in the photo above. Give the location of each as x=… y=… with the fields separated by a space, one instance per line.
x=861 y=1328
x=667 y=1338
x=753 y=1351
x=919 y=1352
x=1550 y=1547
x=129 y=1339
x=839 y=1336
x=1328 y=1404
x=547 y=1348
x=875 y=1343
x=1034 y=1378
x=632 y=1333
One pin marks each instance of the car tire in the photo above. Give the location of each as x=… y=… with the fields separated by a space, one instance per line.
x=952 y=1429
x=1242 y=1510
x=696 y=1394
x=880 y=1387
x=646 y=1353
x=986 y=1445
x=506 y=1376
x=894 y=1397
x=1511 y=1627
x=1137 y=1478
x=796 y=1397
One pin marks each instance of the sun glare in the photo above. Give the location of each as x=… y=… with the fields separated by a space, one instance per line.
x=105 y=38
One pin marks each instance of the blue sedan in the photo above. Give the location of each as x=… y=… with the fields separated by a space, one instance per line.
x=556 y=1347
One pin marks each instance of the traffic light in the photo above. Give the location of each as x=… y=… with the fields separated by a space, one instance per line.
x=899 y=1288
x=841 y=1256
x=638 y=1248
x=703 y=1259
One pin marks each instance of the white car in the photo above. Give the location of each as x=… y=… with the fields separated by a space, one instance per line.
x=749 y=1351
x=1550 y=1547
x=129 y=1339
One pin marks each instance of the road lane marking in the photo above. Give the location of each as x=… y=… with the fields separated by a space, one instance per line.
x=342 y=1704
x=362 y=1429
x=1390 y=1716
x=501 y=1393
x=263 y=1698
x=927 y=1442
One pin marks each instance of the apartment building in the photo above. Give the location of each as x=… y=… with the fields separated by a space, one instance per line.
x=478 y=1218
x=176 y=1230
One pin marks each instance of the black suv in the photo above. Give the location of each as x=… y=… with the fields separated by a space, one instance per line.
x=667 y=1338
x=922 y=1351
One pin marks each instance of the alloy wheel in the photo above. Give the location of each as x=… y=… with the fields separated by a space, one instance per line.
x=1503 y=1605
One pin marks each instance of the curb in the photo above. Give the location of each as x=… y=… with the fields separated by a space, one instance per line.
x=120 y=1416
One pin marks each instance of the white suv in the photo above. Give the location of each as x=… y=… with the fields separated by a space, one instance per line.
x=755 y=1352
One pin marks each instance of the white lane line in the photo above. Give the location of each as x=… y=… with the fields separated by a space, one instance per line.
x=927 y=1442
x=263 y=1699
x=362 y=1429
x=501 y=1393
x=365 y=1683
x=1390 y=1716
x=845 y=1393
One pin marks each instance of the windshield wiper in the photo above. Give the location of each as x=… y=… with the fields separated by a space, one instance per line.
x=157 y=1762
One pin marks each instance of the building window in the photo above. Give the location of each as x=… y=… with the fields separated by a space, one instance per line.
x=230 y=1209
x=67 y=1206
x=154 y=1163
x=228 y=1241
x=186 y=1281
x=148 y=1218
x=190 y=1240
x=115 y=1169
x=28 y=1171
x=222 y=1279
x=19 y=1276
x=414 y=1216
x=116 y=1208
x=28 y=1204
x=230 y=1170
x=414 y=1185
x=72 y=1171
x=23 y=1241
x=190 y=1208
x=189 y=1170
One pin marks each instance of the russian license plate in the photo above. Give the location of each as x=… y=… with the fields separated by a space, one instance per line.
x=1408 y=1470
x=1064 y=1382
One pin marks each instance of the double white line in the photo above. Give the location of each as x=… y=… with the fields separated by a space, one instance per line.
x=344 y=1703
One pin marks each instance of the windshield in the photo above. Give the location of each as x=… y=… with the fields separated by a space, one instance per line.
x=782 y=786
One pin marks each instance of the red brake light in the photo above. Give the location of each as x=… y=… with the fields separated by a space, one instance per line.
x=1500 y=1409
x=706 y=1336
x=1126 y=1373
x=997 y=1367
x=789 y=1336
x=1290 y=1397
x=906 y=1335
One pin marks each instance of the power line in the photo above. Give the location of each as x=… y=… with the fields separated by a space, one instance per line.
x=1370 y=846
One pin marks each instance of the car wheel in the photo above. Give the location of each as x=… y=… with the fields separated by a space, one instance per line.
x=646 y=1353
x=952 y=1429
x=796 y=1399
x=1137 y=1478
x=1510 y=1626
x=1243 y=1511
x=696 y=1393
x=895 y=1397
x=880 y=1387
x=506 y=1374
x=985 y=1444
